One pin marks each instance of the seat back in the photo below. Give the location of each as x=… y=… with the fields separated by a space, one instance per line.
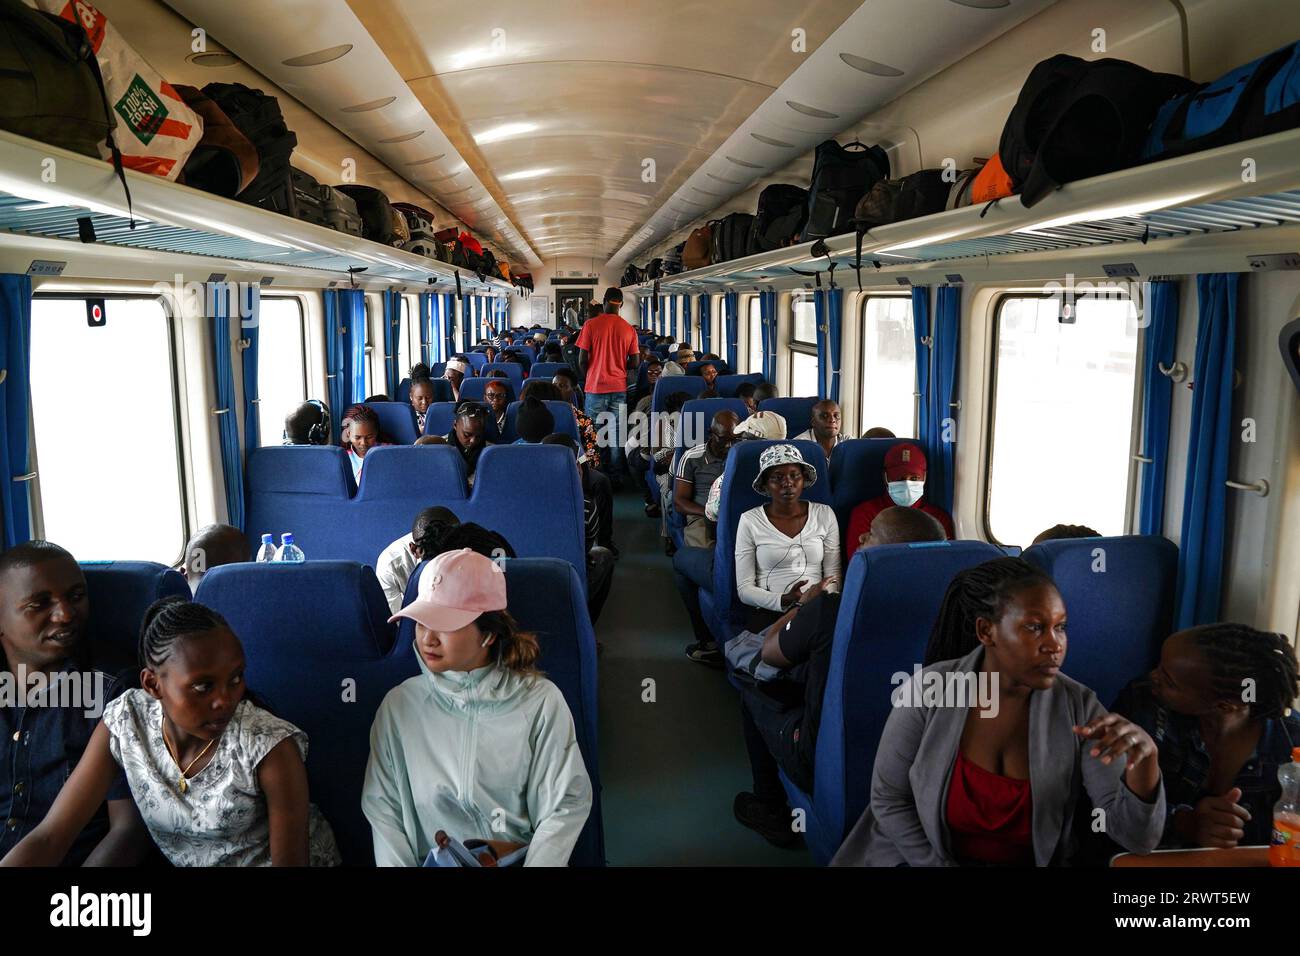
x=396 y=422
x=1119 y=595
x=476 y=361
x=797 y=412
x=693 y=368
x=738 y=496
x=514 y=371
x=472 y=389
x=441 y=387
x=727 y=384
x=397 y=483
x=119 y=593
x=300 y=488
x=546 y=370
x=546 y=598
x=691 y=385
x=858 y=474
x=527 y=351
x=565 y=421
x=318 y=650
x=705 y=409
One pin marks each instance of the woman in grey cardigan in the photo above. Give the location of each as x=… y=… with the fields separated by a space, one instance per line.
x=985 y=757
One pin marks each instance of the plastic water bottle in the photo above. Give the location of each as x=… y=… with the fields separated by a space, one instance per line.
x=289 y=551
x=1285 y=849
x=267 y=551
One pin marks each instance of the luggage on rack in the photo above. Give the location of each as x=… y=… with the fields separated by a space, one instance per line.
x=467 y=253
x=630 y=276
x=303 y=198
x=894 y=200
x=376 y=212
x=1075 y=119
x=698 y=251
x=401 y=231
x=258 y=117
x=991 y=182
x=673 y=260
x=419 y=224
x=1256 y=99
x=224 y=162
x=341 y=212
x=959 y=194
x=782 y=212
x=487 y=264
x=733 y=233
x=841 y=176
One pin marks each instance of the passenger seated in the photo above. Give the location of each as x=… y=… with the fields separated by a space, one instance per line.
x=308 y=424
x=478 y=735
x=781 y=713
x=466 y=435
x=533 y=421
x=905 y=469
x=455 y=372
x=421 y=396
x=431 y=440
x=710 y=375
x=745 y=392
x=825 y=429
x=212 y=546
x=598 y=512
x=44 y=614
x=642 y=399
x=1219 y=751
x=952 y=777
x=1058 y=532
x=765 y=390
x=496 y=395
x=566 y=382
x=679 y=358
x=218 y=780
x=360 y=434
x=760 y=425
x=396 y=562
x=878 y=431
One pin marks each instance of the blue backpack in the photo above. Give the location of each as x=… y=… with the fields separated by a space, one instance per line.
x=1257 y=99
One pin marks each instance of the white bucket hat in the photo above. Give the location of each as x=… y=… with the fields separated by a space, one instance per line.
x=782 y=455
x=768 y=425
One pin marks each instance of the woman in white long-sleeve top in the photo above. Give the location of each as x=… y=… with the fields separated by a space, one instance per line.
x=479 y=745
x=990 y=748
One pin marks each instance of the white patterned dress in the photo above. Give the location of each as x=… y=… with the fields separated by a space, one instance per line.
x=221 y=819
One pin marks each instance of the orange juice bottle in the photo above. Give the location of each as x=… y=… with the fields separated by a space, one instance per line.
x=1285 y=849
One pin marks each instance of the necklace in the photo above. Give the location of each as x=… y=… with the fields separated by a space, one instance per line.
x=181 y=785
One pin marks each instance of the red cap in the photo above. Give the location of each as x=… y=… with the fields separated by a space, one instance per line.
x=904 y=459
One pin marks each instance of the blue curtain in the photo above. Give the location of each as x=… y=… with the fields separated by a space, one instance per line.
x=1161 y=303
x=15 y=403
x=819 y=316
x=706 y=322
x=232 y=463
x=731 y=318
x=688 y=333
x=447 y=315
x=335 y=359
x=767 y=319
x=352 y=308
x=250 y=310
x=834 y=337
x=644 y=305
x=673 y=329
x=392 y=340
x=941 y=454
x=468 y=316
x=1200 y=555
x=424 y=302
x=921 y=334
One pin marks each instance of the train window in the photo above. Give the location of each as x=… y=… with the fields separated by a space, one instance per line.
x=106 y=493
x=805 y=320
x=281 y=364
x=803 y=374
x=888 y=364
x=370 y=348
x=404 y=338
x=1063 y=396
x=755 y=334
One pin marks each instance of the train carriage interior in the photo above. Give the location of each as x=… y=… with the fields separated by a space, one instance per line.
x=859 y=317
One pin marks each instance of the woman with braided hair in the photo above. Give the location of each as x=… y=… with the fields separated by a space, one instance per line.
x=992 y=777
x=1218 y=705
x=218 y=780
x=421 y=394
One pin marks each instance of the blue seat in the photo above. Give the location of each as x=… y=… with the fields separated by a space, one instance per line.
x=565 y=421
x=441 y=387
x=321 y=655
x=891 y=597
x=691 y=385
x=119 y=593
x=546 y=370
x=476 y=361
x=797 y=412
x=527 y=351
x=396 y=422
x=1118 y=617
x=727 y=384
x=472 y=389
x=397 y=483
x=858 y=474
x=698 y=415
x=721 y=606
x=693 y=368
x=437 y=369
x=546 y=598
x=513 y=370
x=439 y=416
x=303 y=489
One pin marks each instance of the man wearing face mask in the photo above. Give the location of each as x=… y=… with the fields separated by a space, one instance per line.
x=905 y=484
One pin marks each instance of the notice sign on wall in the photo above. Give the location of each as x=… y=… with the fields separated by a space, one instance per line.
x=541 y=311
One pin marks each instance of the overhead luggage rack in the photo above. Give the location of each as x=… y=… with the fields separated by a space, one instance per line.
x=1198 y=195
x=174 y=218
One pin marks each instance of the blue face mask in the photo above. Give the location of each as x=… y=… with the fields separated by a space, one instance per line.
x=906 y=493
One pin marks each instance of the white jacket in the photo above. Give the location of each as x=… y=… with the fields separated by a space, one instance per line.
x=462 y=751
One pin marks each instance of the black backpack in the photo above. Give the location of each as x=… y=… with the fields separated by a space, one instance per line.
x=841 y=176
x=1080 y=118
x=376 y=212
x=487 y=265
x=894 y=200
x=258 y=117
x=782 y=212
x=733 y=233
x=1256 y=99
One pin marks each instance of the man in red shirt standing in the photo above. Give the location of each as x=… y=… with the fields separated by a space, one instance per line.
x=606 y=347
x=905 y=480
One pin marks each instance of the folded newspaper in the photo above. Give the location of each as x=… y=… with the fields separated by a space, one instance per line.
x=479 y=853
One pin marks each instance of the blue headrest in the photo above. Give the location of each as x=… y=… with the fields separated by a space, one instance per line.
x=527 y=351
x=891 y=597
x=1119 y=594
x=857 y=473
x=738 y=496
x=727 y=384
x=706 y=408
x=404 y=390
x=472 y=389
x=119 y=593
x=514 y=371
x=320 y=654
x=412 y=471
x=692 y=385
x=396 y=421
x=546 y=370
x=476 y=360
x=437 y=369
x=797 y=412
x=565 y=420
x=693 y=368
x=441 y=387
x=545 y=597
x=439 y=418
x=300 y=470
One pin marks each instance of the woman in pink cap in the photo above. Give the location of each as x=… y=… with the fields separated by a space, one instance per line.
x=480 y=744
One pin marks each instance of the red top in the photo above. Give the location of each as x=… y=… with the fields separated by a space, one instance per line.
x=610 y=340
x=861 y=517
x=989 y=816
